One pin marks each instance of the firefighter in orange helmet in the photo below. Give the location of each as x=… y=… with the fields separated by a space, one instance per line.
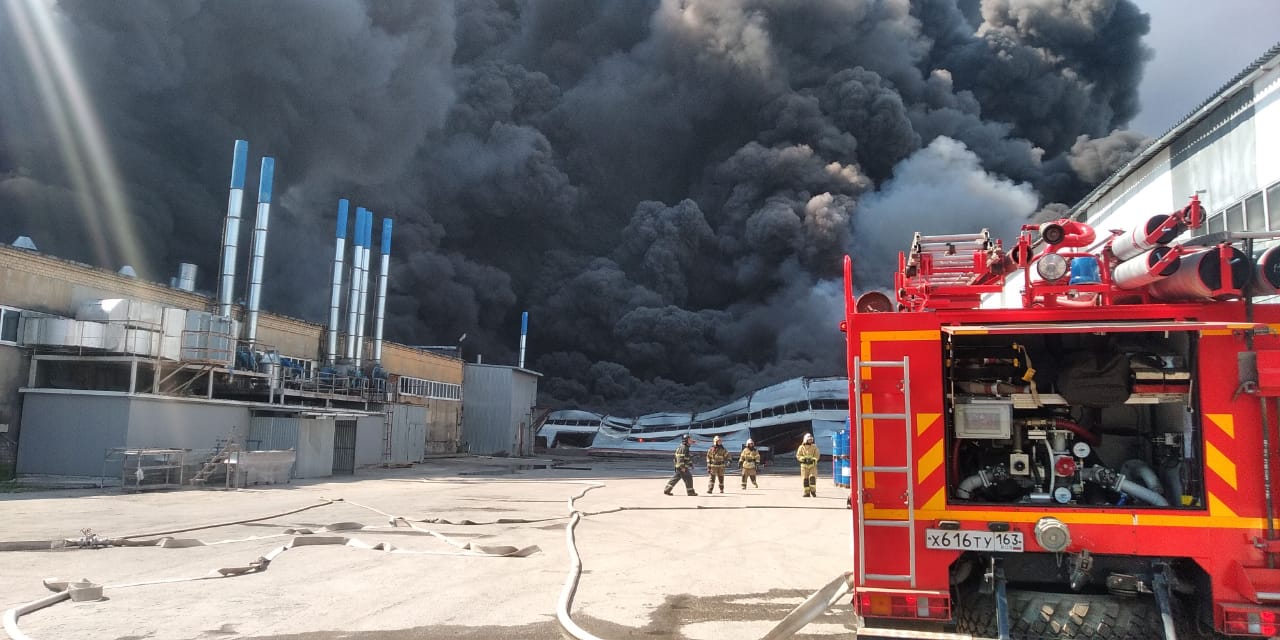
x=808 y=456
x=717 y=458
x=748 y=460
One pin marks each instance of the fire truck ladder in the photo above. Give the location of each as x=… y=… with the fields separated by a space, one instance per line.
x=905 y=470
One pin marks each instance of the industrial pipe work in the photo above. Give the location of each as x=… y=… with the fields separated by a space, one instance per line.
x=335 y=297
x=260 y=222
x=353 y=298
x=382 y=290
x=231 y=231
x=366 y=240
x=524 y=333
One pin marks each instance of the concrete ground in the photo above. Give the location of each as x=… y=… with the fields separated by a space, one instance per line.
x=726 y=565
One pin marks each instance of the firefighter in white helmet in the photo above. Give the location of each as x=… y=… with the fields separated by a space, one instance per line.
x=717 y=458
x=748 y=460
x=808 y=456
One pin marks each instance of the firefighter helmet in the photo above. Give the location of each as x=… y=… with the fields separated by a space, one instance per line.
x=716 y=440
x=808 y=437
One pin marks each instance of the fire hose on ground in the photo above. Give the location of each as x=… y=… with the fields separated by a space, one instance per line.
x=814 y=606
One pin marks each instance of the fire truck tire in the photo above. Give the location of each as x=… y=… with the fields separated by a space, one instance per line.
x=1035 y=615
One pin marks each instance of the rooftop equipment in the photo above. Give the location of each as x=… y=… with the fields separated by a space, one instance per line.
x=259 y=246
x=231 y=232
x=364 y=284
x=382 y=290
x=335 y=298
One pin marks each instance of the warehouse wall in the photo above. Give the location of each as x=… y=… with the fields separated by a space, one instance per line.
x=69 y=434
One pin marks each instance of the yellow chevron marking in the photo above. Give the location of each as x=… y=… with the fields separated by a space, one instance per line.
x=925 y=420
x=1218 y=508
x=1224 y=421
x=929 y=462
x=1220 y=463
x=938 y=501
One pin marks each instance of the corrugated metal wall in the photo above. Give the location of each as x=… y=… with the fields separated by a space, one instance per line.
x=486 y=411
x=311 y=438
x=498 y=410
x=408 y=433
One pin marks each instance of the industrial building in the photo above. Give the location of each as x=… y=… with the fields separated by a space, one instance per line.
x=1224 y=154
x=103 y=375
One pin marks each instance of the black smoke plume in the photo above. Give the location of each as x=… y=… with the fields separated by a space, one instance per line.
x=667 y=186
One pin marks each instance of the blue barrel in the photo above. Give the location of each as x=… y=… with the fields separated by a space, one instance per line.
x=840 y=473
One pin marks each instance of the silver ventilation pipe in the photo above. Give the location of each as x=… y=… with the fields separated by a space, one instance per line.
x=231 y=232
x=382 y=291
x=353 y=297
x=524 y=333
x=364 y=285
x=259 y=247
x=186 y=280
x=335 y=298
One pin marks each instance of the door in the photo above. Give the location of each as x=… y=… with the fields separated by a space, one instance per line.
x=344 y=447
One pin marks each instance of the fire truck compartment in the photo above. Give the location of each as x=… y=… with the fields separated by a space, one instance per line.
x=1075 y=415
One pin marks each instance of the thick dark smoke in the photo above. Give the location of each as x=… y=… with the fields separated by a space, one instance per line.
x=668 y=186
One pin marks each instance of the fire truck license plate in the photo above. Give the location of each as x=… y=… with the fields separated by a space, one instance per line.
x=973 y=540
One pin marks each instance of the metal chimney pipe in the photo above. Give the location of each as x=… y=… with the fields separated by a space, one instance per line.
x=231 y=231
x=364 y=285
x=524 y=333
x=335 y=297
x=382 y=291
x=259 y=246
x=353 y=297
x=186 y=276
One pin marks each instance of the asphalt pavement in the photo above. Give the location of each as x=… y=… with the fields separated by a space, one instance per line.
x=461 y=547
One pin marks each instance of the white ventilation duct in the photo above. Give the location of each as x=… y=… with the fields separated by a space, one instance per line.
x=259 y=254
x=186 y=276
x=335 y=297
x=231 y=232
x=364 y=285
x=353 y=298
x=382 y=291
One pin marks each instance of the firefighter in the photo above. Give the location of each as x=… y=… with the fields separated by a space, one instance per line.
x=808 y=455
x=684 y=467
x=717 y=458
x=748 y=460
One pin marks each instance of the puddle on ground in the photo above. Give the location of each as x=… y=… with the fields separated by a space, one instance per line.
x=502 y=471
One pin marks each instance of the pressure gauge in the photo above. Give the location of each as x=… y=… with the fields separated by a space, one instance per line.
x=1062 y=495
x=1081 y=449
x=1051 y=267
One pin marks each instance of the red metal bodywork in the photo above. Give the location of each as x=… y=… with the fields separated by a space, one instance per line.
x=1226 y=537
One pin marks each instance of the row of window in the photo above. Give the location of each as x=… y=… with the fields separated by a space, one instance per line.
x=1258 y=212
x=430 y=388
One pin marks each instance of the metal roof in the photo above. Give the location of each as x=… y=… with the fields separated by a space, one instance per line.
x=1265 y=62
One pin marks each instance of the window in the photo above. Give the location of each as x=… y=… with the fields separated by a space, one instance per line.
x=1273 y=206
x=1216 y=224
x=430 y=388
x=1235 y=217
x=9 y=325
x=1255 y=219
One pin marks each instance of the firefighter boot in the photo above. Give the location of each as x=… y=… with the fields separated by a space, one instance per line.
x=693 y=493
x=667 y=491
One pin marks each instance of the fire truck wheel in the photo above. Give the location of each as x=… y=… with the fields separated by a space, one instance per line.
x=1034 y=614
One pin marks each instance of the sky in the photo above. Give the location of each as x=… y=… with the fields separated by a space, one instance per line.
x=1197 y=46
x=668 y=187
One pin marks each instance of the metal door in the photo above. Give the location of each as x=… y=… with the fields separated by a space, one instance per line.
x=344 y=447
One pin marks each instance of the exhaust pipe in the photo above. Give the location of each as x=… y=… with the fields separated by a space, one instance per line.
x=366 y=240
x=259 y=245
x=353 y=299
x=382 y=291
x=524 y=333
x=231 y=231
x=1217 y=273
x=1146 y=268
x=335 y=296
x=186 y=276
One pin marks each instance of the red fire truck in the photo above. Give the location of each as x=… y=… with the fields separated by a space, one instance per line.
x=1093 y=461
